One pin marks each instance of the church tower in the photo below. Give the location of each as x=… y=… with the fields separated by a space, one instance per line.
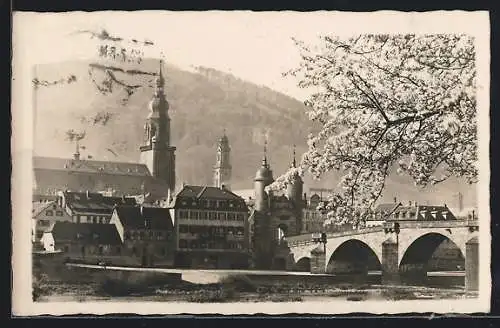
x=156 y=151
x=294 y=189
x=263 y=178
x=222 y=169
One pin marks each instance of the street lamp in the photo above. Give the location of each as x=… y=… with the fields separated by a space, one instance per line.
x=320 y=238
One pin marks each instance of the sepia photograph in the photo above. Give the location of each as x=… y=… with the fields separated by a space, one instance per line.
x=250 y=162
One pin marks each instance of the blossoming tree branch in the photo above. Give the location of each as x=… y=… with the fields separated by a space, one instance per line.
x=387 y=103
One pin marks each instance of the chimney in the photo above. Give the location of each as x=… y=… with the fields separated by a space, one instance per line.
x=88 y=194
x=223 y=186
x=142 y=211
x=395 y=200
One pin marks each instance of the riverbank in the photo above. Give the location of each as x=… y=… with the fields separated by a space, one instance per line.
x=237 y=289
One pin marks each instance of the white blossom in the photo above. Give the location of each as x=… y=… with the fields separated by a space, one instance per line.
x=402 y=102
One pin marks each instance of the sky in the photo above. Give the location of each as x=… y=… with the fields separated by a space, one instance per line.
x=257 y=47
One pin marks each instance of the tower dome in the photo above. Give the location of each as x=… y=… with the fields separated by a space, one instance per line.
x=264 y=173
x=158 y=103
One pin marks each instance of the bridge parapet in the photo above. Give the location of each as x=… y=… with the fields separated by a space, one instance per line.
x=305 y=239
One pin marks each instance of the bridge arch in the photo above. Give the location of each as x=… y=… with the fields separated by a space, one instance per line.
x=432 y=251
x=430 y=239
x=353 y=256
x=303 y=264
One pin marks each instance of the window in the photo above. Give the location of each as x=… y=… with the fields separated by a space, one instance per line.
x=182 y=243
x=183 y=229
x=44 y=222
x=183 y=214
x=127 y=235
x=193 y=215
x=59 y=213
x=94 y=220
x=118 y=250
x=134 y=251
x=222 y=216
x=100 y=250
x=66 y=248
x=101 y=220
x=49 y=213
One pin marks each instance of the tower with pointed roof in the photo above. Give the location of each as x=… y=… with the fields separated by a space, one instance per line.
x=263 y=178
x=156 y=151
x=223 y=168
x=295 y=187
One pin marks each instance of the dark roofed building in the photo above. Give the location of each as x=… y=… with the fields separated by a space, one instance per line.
x=141 y=217
x=91 y=207
x=382 y=213
x=422 y=213
x=52 y=175
x=82 y=240
x=147 y=234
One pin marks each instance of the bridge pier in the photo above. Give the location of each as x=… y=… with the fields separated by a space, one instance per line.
x=472 y=265
x=390 y=263
x=318 y=260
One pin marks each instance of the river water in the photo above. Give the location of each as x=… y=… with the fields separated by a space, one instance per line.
x=437 y=285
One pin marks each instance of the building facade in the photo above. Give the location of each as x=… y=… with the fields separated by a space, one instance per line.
x=312 y=218
x=156 y=152
x=84 y=242
x=146 y=233
x=223 y=168
x=90 y=207
x=211 y=226
x=44 y=215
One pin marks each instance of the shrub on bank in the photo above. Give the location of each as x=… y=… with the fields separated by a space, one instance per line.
x=241 y=283
x=398 y=294
x=221 y=295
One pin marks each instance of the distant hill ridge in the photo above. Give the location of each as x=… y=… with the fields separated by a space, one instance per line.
x=203 y=103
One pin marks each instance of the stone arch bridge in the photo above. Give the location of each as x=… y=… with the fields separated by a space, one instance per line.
x=395 y=252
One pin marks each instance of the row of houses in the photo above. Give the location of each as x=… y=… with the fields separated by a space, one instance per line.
x=201 y=227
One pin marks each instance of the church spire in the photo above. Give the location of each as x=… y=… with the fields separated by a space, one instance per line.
x=160 y=81
x=294 y=162
x=264 y=159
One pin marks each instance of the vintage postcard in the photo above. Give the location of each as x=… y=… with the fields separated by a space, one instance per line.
x=250 y=162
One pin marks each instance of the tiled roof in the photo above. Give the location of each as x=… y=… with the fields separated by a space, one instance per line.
x=207 y=192
x=90 y=166
x=386 y=208
x=39 y=207
x=55 y=174
x=425 y=213
x=134 y=217
x=94 y=202
x=86 y=233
